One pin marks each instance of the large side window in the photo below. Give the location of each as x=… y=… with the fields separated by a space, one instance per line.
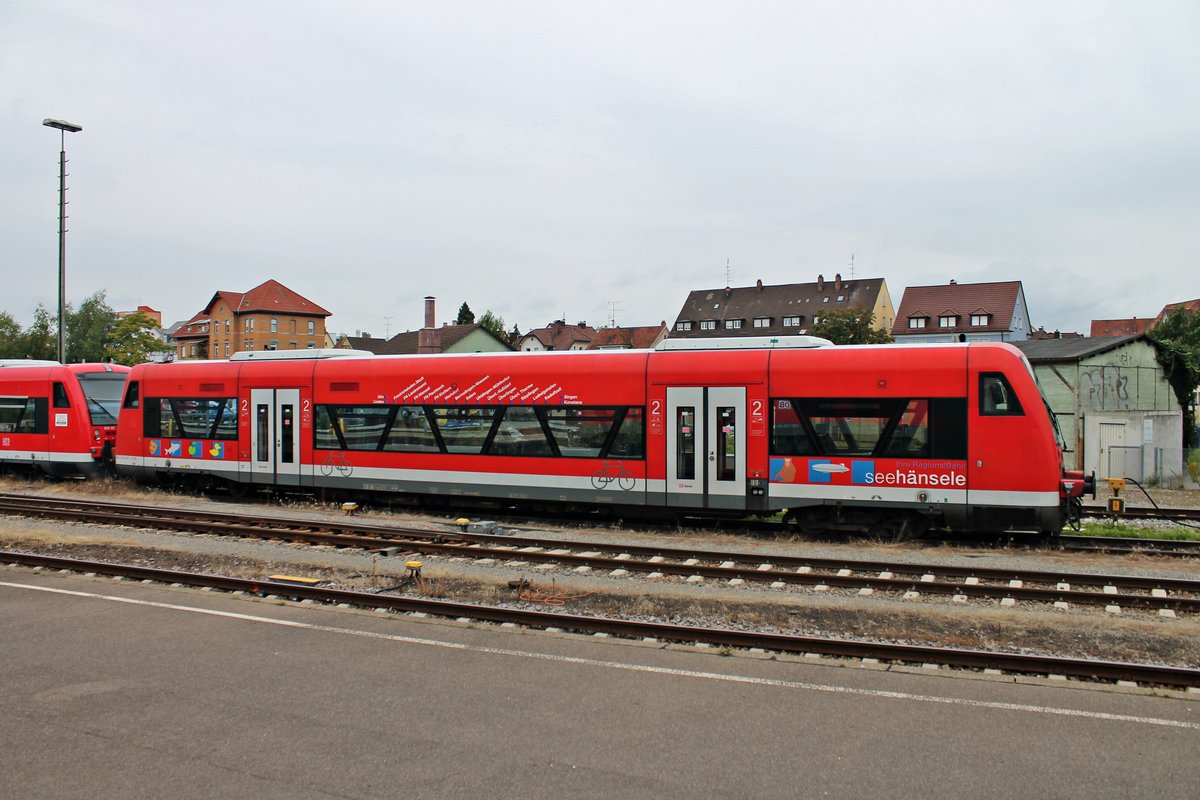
x=23 y=415
x=882 y=427
x=996 y=396
x=541 y=431
x=191 y=417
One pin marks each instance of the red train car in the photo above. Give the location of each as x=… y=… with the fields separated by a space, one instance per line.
x=859 y=438
x=59 y=418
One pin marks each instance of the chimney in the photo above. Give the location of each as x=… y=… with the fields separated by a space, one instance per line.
x=728 y=292
x=837 y=282
x=429 y=338
x=953 y=282
x=758 y=284
x=429 y=312
x=820 y=283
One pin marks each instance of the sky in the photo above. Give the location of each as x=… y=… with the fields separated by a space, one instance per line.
x=596 y=161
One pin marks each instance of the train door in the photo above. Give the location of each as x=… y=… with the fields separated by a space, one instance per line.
x=275 y=436
x=706 y=447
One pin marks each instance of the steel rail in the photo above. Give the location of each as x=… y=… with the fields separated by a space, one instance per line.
x=1088 y=669
x=524 y=549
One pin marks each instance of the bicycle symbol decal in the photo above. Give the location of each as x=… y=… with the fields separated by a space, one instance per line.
x=614 y=471
x=338 y=462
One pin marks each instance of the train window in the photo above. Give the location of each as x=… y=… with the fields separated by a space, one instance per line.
x=996 y=396
x=520 y=433
x=360 y=427
x=193 y=417
x=845 y=426
x=726 y=443
x=685 y=443
x=36 y=418
x=325 y=431
x=948 y=427
x=789 y=436
x=411 y=432
x=60 y=396
x=630 y=441
x=132 y=392
x=102 y=390
x=581 y=432
x=910 y=436
x=464 y=430
x=262 y=422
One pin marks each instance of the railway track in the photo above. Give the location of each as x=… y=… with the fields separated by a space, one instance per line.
x=1141 y=512
x=1064 y=589
x=1017 y=663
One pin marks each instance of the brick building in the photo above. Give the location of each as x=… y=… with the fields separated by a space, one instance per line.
x=268 y=317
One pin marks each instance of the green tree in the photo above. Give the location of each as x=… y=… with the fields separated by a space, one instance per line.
x=465 y=315
x=11 y=343
x=88 y=328
x=1178 y=340
x=132 y=340
x=40 y=340
x=850 y=326
x=493 y=325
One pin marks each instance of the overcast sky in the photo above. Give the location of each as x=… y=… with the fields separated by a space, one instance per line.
x=549 y=159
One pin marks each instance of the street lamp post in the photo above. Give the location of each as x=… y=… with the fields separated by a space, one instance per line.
x=64 y=128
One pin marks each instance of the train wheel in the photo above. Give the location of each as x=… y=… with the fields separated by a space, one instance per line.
x=904 y=528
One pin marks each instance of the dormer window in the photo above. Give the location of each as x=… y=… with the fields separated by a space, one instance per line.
x=708 y=324
x=947 y=321
x=979 y=320
x=683 y=325
x=762 y=322
x=791 y=322
x=917 y=322
x=733 y=324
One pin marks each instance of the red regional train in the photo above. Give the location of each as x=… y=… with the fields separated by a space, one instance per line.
x=891 y=438
x=61 y=419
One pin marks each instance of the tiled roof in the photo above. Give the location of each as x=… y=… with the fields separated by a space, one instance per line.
x=1038 y=350
x=271 y=297
x=405 y=344
x=957 y=299
x=637 y=338
x=773 y=303
x=560 y=336
x=1121 y=327
x=1190 y=305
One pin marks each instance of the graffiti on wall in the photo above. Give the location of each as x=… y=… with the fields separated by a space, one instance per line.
x=1104 y=389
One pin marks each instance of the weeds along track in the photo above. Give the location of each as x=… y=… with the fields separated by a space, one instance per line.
x=1065 y=589
x=811 y=646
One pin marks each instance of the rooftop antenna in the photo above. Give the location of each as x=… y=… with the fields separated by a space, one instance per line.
x=727 y=278
x=852 y=266
x=612 y=312
x=387 y=327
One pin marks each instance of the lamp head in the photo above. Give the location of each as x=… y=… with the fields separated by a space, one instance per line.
x=62 y=125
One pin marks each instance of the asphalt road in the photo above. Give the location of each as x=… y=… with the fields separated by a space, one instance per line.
x=124 y=690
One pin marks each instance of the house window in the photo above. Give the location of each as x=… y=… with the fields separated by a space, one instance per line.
x=708 y=324
x=312 y=327
x=762 y=322
x=816 y=320
x=312 y=345
x=683 y=326
x=733 y=324
x=274 y=325
x=826 y=299
x=293 y=324
x=791 y=322
x=947 y=322
x=227 y=349
x=228 y=322
x=978 y=320
x=917 y=322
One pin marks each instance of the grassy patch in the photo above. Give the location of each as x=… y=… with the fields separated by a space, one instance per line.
x=1121 y=530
